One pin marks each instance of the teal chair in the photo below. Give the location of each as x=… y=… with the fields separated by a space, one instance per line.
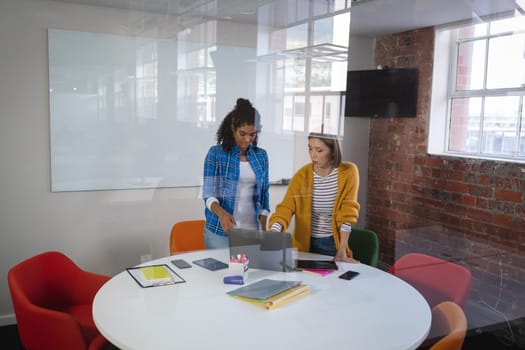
x=364 y=245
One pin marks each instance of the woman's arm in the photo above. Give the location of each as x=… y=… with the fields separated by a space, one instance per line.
x=341 y=254
x=226 y=219
x=347 y=207
x=210 y=181
x=264 y=192
x=262 y=221
x=210 y=189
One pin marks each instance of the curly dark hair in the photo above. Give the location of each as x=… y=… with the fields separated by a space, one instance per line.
x=242 y=114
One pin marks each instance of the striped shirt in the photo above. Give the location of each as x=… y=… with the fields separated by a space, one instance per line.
x=323 y=198
x=324 y=194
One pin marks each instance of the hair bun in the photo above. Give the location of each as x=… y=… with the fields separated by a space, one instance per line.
x=243 y=102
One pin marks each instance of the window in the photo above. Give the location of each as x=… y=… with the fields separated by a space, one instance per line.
x=196 y=73
x=307 y=64
x=483 y=102
x=146 y=82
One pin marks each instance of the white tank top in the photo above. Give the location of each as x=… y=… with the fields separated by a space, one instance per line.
x=244 y=213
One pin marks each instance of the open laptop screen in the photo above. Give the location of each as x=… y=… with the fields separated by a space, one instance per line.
x=266 y=250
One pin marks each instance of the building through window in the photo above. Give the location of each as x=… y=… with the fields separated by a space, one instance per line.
x=485 y=92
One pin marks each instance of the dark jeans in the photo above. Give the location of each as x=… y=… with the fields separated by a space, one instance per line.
x=324 y=246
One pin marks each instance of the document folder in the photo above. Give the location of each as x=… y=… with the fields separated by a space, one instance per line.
x=271 y=293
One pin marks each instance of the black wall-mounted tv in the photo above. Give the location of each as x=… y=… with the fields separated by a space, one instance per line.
x=382 y=93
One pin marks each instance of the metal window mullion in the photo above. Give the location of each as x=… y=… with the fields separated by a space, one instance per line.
x=447 y=124
x=486 y=37
x=451 y=89
x=341 y=113
x=483 y=94
x=323 y=112
x=293 y=112
x=487 y=49
x=481 y=132
x=308 y=70
x=518 y=129
x=307 y=80
x=488 y=92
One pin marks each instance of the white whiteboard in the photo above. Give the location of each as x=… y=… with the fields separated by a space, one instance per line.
x=113 y=127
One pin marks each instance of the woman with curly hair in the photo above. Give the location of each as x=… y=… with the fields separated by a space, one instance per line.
x=236 y=183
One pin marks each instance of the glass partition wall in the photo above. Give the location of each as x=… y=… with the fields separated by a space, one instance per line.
x=150 y=116
x=177 y=74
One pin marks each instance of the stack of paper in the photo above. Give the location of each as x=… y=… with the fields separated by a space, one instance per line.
x=156 y=274
x=271 y=293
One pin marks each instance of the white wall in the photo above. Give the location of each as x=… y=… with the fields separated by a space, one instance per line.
x=103 y=231
x=357 y=130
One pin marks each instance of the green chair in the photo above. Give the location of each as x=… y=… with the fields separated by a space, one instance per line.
x=364 y=245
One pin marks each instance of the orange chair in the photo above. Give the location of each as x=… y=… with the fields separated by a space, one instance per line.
x=187 y=236
x=448 y=329
x=52 y=299
x=436 y=279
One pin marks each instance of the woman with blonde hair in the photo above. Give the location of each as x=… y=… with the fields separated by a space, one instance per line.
x=322 y=196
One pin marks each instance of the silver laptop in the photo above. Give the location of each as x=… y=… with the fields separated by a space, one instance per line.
x=266 y=250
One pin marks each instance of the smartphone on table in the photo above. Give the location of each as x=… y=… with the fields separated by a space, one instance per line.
x=181 y=263
x=348 y=275
x=211 y=264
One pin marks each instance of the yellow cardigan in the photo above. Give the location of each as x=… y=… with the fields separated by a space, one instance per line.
x=298 y=201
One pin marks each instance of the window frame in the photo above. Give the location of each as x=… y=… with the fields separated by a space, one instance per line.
x=446 y=49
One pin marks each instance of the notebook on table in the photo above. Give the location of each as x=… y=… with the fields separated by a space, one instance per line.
x=266 y=250
x=271 y=293
x=317 y=264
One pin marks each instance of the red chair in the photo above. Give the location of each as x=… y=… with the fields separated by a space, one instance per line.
x=436 y=279
x=52 y=299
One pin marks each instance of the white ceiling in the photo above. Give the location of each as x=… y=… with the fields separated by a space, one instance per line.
x=369 y=17
x=374 y=17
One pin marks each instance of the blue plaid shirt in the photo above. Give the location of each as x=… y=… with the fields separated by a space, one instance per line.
x=221 y=175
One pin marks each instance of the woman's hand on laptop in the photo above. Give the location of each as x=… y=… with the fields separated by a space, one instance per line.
x=227 y=221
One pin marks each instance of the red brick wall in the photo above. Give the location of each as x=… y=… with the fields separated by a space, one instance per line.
x=477 y=205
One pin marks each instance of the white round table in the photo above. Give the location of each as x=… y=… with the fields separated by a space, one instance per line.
x=375 y=310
